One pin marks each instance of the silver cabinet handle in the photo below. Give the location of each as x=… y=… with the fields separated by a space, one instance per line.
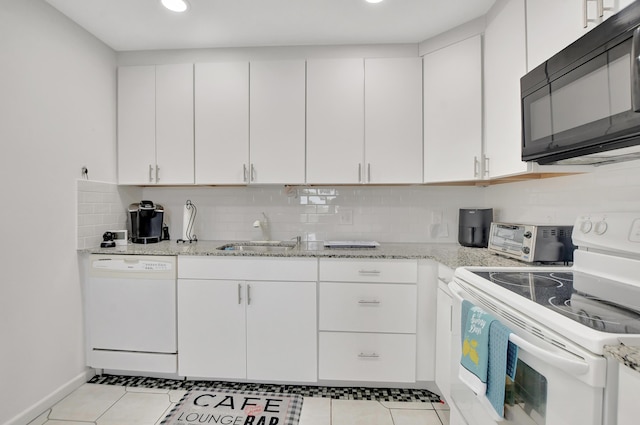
x=157 y=174
x=601 y=8
x=370 y=302
x=476 y=164
x=369 y=172
x=248 y=294
x=253 y=173
x=585 y=11
x=635 y=70
x=372 y=355
x=359 y=173
x=239 y=294
x=244 y=172
x=369 y=272
x=486 y=166
x=150 y=171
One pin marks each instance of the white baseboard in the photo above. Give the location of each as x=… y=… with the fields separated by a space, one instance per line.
x=61 y=392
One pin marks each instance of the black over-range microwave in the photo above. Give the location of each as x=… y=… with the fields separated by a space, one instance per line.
x=582 y=106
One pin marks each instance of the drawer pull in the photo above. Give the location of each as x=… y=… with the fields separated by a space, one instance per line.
x=369 y=302
x=369 y=272
x=369 y=356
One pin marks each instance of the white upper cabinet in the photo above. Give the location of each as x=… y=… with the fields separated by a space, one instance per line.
x=136 y=124
x=364 y=121
x=174 y=124
x=453 y=112
x=393 y=121
x=155 y=124
x=552 y=25
x=335 y=120
x=277 y=123
x=222 y=123
x=504 y=65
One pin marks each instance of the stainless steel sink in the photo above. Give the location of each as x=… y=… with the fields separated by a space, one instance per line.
x=260 y=246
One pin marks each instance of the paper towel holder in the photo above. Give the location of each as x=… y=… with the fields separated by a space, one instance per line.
x=189 y=218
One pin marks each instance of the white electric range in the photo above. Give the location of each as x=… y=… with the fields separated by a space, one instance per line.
x=561 y=319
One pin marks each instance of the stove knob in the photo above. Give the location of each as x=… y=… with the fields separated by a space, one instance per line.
x=527 y=234
x=526 y=249
x=586 y=226
x=601 y=227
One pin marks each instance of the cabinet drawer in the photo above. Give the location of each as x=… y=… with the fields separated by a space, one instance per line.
x=362 y=307
x=243 y=268
x=367 y=357
x=350 y=270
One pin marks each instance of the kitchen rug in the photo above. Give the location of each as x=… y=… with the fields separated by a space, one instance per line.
x=232 y=407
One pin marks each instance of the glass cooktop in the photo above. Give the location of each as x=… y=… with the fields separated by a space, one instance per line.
x=600 y=304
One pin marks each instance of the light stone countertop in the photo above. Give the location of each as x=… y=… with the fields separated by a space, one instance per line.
x=626 y=355
x=451 y=255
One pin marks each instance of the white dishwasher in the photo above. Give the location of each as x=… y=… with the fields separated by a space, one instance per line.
x=131 y=313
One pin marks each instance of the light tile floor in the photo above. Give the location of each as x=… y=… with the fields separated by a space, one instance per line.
x=94 y=404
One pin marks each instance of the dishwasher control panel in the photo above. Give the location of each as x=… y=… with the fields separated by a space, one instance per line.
x=133 y=265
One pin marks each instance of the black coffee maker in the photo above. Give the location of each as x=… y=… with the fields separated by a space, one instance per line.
x=474 y=227
x=146 y=222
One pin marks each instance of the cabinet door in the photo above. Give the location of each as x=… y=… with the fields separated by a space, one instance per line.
x=282 y=331
x=453 y=112
x=443 y=343
x=174 y=124
x=552 y=25
x=222 y=123
x=504 y=65
x=393 y=120
x=335 y=119
x=277 y=122
x=136 y=124
x=211 y=329
x=628 y=384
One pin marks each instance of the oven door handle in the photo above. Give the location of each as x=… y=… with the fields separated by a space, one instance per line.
x=570 y=365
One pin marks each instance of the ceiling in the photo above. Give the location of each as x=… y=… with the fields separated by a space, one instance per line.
x=127 y=25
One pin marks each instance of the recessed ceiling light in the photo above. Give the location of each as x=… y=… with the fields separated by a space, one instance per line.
x=175 y=5
x=374 y=1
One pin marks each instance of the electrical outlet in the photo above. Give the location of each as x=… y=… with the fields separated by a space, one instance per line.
x=346 y=216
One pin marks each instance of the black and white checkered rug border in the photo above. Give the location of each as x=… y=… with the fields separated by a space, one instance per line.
x=337 y=393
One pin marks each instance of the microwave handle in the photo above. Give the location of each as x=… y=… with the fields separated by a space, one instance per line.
x=635 y=70
x=569 y=365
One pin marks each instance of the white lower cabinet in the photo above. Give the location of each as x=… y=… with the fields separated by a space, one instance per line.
x=367 y=320
x=628 y=384
x=375 y=357
x=443 y=341
x=260 y=325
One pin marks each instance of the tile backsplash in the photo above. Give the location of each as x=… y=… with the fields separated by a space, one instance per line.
x=388 y=214
x=383 y=213
x=101 y=207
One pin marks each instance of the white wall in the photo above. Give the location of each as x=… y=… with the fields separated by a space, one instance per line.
x=57 y=112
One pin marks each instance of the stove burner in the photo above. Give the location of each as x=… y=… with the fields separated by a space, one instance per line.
x=529 y=279
x=603 y=306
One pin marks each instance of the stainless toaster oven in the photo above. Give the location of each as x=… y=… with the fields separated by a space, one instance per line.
x=531 y=242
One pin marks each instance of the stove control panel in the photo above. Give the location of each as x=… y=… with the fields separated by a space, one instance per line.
x=616 y=232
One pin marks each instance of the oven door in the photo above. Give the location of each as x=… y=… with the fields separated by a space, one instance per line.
x=552 y=386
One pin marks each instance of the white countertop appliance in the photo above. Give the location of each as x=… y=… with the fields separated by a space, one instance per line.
x=561 y=318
